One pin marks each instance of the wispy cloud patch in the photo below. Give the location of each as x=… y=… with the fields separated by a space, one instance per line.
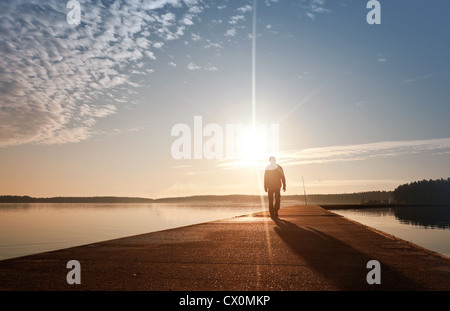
x=53 y=75
x=314 y=7
x=382 y=57
x=269 y=2
x=192 y=66
x=346 y=153
x=424 y=77
x=364 y=151
x=310 y=15
x=230 y=32
x=235 y=19
x=245 y=8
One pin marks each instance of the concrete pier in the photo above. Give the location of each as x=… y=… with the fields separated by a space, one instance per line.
x=307 y=249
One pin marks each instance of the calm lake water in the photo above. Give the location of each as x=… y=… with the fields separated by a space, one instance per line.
x=426 y=226
x=33 y=228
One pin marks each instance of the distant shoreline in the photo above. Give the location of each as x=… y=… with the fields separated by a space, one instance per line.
x=379 y=197
x=424 y=192
x=373 y=199
x=363 y=206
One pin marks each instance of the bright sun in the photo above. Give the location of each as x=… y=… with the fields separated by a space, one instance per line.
x=253 y=148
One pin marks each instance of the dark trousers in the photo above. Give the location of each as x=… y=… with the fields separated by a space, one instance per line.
x=274 y=208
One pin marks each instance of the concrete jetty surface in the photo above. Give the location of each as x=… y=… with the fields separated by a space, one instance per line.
x=307 y=249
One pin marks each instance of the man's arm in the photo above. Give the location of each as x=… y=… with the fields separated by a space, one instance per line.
x=265 y=180
x=283 y=178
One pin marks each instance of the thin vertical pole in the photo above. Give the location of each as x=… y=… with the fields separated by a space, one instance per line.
x=304 y=191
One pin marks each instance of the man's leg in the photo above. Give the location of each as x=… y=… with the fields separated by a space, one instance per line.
x=277 y=201
x=270 y=196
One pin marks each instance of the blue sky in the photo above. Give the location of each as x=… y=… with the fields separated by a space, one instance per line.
x=88 y=109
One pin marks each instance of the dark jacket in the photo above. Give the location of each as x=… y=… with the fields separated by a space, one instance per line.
x=274 y=177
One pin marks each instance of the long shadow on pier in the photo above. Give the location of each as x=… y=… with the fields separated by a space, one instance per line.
x=338 y=262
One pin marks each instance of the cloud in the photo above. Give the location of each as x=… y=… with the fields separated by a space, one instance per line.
x=269 y=2
x=215 y=45
x=347 y=153
x=428 y=76
x=230 y=32
x=360 y=152
x=382 y=57
x=236 y=19
x=191 y=66
x=245 y=8
x=314 y=7
x=211 y=68
x=310 y=15
x=97 y=112
x=57 y=80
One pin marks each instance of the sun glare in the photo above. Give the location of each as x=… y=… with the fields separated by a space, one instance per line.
x=253 y=147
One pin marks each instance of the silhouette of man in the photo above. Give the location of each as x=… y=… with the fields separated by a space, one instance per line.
x=273 y=180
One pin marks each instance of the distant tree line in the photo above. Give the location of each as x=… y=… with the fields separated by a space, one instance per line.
x=369 y=197
x=424 y=192
x=28 y=199
x=346 y=198
x=418 y=192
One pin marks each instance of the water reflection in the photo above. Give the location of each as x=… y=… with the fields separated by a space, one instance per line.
x=427 y=226
x=425 y=216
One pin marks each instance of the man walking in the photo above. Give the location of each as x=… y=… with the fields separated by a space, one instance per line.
x=273 y=180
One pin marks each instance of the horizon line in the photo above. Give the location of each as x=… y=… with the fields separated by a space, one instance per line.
x=188 y=196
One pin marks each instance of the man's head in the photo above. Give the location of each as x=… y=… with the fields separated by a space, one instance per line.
x=272 y=160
